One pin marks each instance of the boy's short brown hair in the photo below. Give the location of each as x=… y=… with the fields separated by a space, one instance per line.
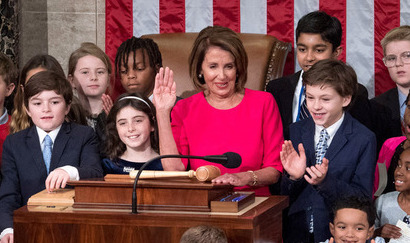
x=7 y=69
x=46 y=81
x=401 y=33
x=334 y=73
x=9 y=73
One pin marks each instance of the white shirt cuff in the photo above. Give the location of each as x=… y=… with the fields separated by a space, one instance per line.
x=6 y=231
x=72 y=171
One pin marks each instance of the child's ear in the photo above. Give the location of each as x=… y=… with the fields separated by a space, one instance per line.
x=27 y=110
x=70 y=78
x=347 y=100
x=10 y=89
x=332 y=228
x=68 y=107
x=336 y=53
x=370 y=232
x=157 y=67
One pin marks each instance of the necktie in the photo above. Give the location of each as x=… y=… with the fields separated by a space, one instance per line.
x=48 y=143
x=303 y=110
x=320 y=153
x=321 y=147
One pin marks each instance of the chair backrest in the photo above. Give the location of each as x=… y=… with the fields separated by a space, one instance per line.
x=266 y=56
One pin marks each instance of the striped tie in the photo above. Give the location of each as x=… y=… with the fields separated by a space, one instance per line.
x=321 y=147
x=303 y=111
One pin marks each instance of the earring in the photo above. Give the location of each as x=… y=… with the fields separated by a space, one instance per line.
x=200 y=75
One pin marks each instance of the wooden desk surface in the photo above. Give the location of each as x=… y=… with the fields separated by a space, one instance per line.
x=263 y=222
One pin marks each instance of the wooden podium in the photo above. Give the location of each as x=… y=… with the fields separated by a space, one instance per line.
x=167 y=208
x=176 y=194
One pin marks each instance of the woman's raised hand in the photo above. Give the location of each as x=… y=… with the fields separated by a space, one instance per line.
x=164 y=90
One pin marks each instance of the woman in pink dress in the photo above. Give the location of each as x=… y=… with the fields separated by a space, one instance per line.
x=224 y=117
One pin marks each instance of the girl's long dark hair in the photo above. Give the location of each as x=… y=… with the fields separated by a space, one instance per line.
x=114 y=147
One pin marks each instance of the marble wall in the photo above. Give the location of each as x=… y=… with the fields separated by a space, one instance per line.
x=9 y=28
x=58 y=27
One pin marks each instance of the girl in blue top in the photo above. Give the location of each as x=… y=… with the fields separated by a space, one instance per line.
x=132 y=135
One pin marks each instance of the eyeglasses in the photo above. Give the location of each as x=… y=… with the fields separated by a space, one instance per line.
x=390 y=60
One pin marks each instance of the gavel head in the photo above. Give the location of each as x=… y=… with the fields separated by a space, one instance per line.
x=207 y=173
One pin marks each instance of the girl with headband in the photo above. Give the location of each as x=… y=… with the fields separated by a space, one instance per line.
x=132 y=135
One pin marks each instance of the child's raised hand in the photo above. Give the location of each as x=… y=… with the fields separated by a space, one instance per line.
x=293 y=163
x=164 y=90
x=57 y=179
x=389 y=231
x=107 y=103
x=317 y=172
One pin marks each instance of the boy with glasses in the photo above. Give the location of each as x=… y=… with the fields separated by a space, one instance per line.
x=388 y=108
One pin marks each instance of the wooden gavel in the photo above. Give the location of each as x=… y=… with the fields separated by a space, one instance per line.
x=203 y=173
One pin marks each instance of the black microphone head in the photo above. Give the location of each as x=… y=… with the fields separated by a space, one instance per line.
x=234 y=160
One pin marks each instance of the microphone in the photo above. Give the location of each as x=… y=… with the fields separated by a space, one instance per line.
x=229 y=160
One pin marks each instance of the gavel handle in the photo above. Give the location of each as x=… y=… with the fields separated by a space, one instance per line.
x=152 y=174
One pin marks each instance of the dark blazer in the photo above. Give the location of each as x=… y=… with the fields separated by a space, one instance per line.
x=283 y=90
x=24 y=171
x=352 y=160
x=386 y=116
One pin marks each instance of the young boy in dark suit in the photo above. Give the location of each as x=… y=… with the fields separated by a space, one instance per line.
x=47 y=154
x=330 y=153
x=318 y=37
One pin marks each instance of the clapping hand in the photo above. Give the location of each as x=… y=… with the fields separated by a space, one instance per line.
x=164 y=90
x=317 y=173
x=293 y=163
